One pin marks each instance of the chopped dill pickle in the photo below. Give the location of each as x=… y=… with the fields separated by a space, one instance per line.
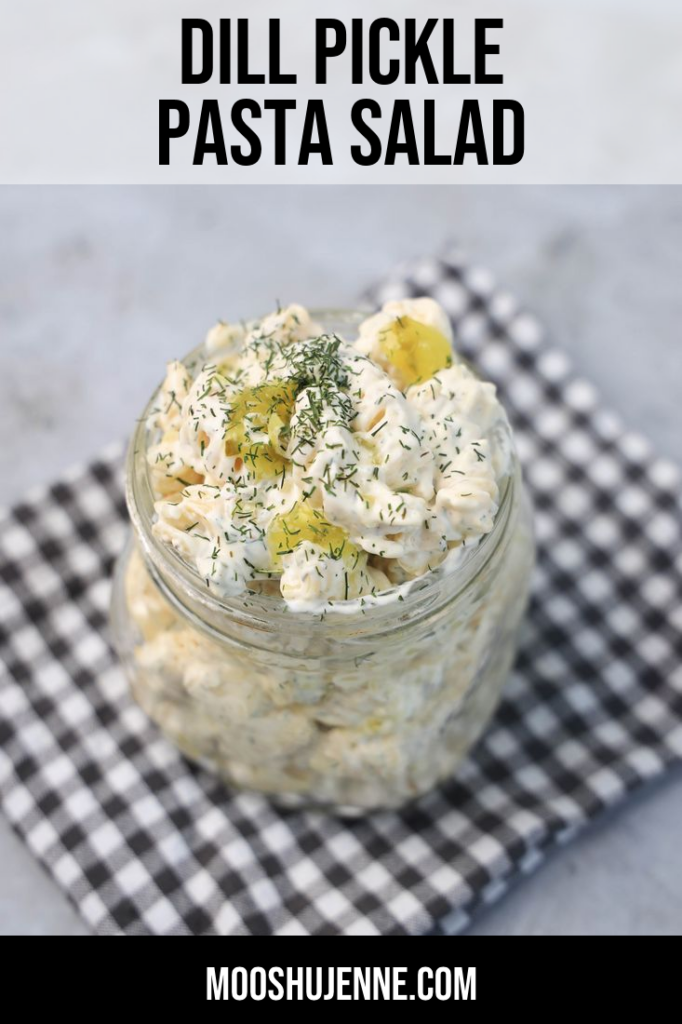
x=302 y=522
x=262 y=410
x=415 y=350
x=275 y=427
x=227 y=366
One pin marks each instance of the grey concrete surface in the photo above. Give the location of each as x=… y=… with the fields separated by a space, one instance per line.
x=99 y=286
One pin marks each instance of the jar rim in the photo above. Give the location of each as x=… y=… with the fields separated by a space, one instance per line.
x=429 y=591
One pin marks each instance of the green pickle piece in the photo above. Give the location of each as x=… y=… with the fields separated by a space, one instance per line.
x=415 y=350
x=264 y=409
x=302 y=522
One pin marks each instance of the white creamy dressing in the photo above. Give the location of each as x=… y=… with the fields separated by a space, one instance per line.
x=406 y=478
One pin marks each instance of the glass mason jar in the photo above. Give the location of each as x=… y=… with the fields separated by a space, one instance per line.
x=350 y=711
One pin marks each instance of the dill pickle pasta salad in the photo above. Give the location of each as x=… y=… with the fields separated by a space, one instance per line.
x=332 y=551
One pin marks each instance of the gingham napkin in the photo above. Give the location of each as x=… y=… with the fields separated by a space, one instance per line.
x=142 y=842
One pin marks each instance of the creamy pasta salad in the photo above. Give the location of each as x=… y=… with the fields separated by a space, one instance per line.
x=332 y=470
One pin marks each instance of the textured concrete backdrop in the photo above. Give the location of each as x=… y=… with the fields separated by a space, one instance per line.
x=99 y=286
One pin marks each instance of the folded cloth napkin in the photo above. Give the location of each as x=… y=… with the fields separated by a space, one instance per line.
x=143 y=842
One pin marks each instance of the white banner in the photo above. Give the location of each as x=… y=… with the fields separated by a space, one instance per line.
x=587 y=91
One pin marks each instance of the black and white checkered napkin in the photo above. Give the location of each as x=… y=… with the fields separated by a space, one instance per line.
x=142 y=842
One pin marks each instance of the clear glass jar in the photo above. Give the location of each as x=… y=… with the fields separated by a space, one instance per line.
x=350 y=711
